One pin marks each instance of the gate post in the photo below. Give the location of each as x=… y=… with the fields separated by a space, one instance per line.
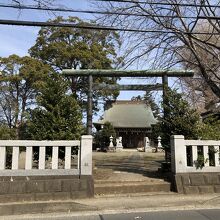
x=86 y=155
x=178 y=153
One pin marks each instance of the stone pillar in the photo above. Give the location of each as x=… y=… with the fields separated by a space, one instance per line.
x=86 y=155
x=178 y=154
x=119 y=145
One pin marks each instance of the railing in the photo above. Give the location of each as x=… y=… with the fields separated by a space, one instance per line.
x=37 y=161
x=194 y=155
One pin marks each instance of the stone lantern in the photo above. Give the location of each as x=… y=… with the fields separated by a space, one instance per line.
x=111 y=146
x=159 y=146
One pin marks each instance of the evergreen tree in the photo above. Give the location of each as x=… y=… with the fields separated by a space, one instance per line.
x=58 y=116
x=210 y=128
x=7 y=133
x=102 y=137
x=179 y=119
x=149 y=100
x=73 y=48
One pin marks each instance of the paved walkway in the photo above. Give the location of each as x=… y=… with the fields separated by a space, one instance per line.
x=116 y=204
x=128 y=166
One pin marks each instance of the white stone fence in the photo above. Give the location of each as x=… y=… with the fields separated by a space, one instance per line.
x=84 y=157
x=190 y=156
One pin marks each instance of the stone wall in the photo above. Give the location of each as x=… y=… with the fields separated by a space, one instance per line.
x=197 y=183
x=42 y=188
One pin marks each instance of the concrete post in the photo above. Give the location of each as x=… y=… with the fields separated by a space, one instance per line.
x=178 y=154
x=194 y=155
x=67 y=157
x=2 y=157
x=206 y=155
x=29 y=159
x=15 y=158
x=55 y=156
x=42 y=157
x=86 y=155
x=217 y=164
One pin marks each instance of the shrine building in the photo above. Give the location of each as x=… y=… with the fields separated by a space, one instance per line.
x=132 y=120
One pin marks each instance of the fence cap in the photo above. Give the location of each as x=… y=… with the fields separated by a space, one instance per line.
x=177 y=136
x=86 y=137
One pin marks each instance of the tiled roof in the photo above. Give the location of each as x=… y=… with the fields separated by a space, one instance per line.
x=129 y=114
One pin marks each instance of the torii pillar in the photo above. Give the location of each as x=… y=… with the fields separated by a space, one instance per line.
x=90 y=105
x=165 y=87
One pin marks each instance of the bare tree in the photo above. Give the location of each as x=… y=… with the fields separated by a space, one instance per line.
x=182 y=33
x=197 y=89
x=40 y=3
x=179 y=33
x=21 y=79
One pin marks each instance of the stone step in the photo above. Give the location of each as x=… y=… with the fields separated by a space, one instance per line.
x=130 y=182
x=106 y=187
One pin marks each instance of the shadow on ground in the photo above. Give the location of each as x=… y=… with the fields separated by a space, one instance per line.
x=140 y=165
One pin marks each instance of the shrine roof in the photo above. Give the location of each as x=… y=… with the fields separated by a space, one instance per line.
x=128 y=114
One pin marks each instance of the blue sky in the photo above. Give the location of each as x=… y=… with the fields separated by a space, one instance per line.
x=18 y=39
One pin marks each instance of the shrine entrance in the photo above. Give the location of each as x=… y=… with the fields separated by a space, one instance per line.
x=127 y=171
x=132 y=139
x=89 y=73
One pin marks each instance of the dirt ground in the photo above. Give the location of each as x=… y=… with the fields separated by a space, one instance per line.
x=127 y=166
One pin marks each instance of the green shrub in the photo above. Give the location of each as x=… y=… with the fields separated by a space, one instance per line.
x=102 y=137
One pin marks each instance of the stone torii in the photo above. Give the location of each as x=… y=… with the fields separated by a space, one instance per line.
x=123 y=73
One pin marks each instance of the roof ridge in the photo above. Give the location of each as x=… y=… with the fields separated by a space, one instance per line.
x=128 y=102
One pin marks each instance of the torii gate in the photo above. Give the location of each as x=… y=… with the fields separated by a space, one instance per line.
x=123 y=73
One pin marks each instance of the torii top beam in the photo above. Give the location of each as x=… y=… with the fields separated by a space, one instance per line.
x=127 y=73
